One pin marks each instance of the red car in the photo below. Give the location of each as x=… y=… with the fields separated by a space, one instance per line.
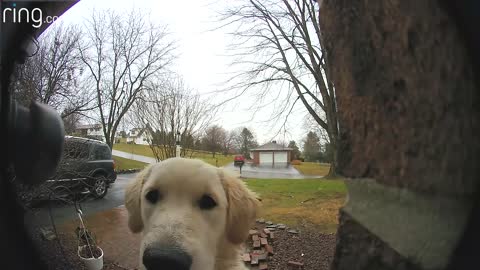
x=238 y=160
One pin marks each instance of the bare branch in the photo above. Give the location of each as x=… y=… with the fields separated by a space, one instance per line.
x=123 y=52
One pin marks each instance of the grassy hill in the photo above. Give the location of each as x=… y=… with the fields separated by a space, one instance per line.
x=145 y=150
x=127 y=164
x=313 y=168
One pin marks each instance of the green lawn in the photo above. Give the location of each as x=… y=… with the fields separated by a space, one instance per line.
x=126 y=164
x=310 y=202
x=145 y=150
x=312 y=168
x=136 y=149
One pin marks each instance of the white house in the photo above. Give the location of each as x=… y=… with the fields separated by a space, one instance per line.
x=139 y=136
x=90 y=131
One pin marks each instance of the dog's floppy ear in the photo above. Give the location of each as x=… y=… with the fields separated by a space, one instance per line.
x=242 y=207
x=133 y=200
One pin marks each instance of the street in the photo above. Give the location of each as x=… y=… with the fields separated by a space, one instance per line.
x=62 y=213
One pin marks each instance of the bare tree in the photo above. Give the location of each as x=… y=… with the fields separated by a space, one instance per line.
x=228 y=141
x=70 y=122
x=214 y=138
x=53 y=74
x=122 y=52
x=167 y=107
x=280 y=47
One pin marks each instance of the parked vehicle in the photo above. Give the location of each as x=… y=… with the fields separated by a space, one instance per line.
x=86 y=167
x=238 y=160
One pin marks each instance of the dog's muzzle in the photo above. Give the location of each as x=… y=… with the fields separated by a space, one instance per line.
x=166 y=258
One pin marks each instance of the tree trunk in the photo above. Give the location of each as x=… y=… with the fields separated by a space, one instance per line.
x=332 y=173
x=109 y=142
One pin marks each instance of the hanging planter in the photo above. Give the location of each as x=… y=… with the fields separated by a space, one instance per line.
x=93 y=260
x=89 y=253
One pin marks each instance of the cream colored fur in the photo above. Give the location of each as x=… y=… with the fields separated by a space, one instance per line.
x=214 y=237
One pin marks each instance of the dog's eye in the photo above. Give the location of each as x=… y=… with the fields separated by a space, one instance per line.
x=206 y=202
x=152 y=196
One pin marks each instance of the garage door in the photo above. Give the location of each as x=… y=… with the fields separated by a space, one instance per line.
x=281 y=157
x=266 y=157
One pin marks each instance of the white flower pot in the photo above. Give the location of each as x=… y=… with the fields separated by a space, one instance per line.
x=91 y=263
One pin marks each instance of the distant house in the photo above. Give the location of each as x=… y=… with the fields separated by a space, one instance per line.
x=121 y=137
x=90 y=131
x=139 y=136
x=272 y=154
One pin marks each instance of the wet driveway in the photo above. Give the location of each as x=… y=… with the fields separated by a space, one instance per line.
x=281 y=172
x=62 y=212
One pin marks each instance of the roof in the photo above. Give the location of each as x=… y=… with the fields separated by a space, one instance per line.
x=272 y=146
x=88 y=126
x=72 y=138
x=138 y=134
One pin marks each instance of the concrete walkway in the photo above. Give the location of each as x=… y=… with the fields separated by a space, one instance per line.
x=134 y=156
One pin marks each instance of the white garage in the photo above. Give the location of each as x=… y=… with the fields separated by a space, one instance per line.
x=266 y=157
x=280 y=157
x=271 y=154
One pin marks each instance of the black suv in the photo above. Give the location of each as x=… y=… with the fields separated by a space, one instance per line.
x=86 y=167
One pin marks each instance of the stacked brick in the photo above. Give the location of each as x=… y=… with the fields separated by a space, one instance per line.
x=259 y=249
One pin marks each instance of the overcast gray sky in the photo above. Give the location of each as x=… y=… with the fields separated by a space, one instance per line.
x=203 y=60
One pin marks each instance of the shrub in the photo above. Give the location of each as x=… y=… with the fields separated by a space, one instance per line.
x=296 y=162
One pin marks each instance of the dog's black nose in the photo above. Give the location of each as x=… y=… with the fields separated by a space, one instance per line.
x=166 y=258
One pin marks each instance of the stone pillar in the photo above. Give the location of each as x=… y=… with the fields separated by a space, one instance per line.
x=408 y=121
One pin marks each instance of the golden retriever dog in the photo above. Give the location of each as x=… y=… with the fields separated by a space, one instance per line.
x=192 y=216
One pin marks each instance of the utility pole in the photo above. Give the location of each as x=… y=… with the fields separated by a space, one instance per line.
x=179 y=148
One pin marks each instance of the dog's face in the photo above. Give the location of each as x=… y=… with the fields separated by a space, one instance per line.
x=186 y=209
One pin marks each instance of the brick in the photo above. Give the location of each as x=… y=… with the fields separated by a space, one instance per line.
x=246 y=257
x=261 y=220
x=269 y=249
x=294 y=263
x=263 y=266
x=263 y=256
x=272 y=236
x=256 y=244
x=252 y=232
x=281 y=227
x=259 y=251
x=293 y=231
x=254 y=260
x=267 y=231
x=269 y=223
x=271 y=229
x=263 y=241
x=263 y=235
x=255 y=238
